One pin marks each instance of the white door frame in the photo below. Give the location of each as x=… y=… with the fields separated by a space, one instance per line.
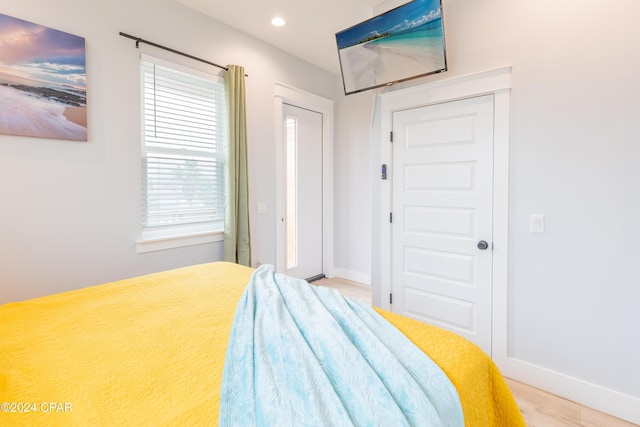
x=285 y=94
x=498 y=83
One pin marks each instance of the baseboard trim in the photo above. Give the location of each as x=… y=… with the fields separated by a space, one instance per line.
x=585 y=393
x=355 y=276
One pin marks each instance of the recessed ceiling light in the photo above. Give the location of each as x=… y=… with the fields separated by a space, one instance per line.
x=277 y=22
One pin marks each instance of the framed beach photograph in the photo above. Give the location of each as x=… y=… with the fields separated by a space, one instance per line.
x=42 y=81
x=404 y=43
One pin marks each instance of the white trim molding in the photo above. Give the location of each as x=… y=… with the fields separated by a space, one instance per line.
x=354 y=276
x=583 y=392
x=285 y=94
x=162 y=243
x=493 y=82
x=496 y=83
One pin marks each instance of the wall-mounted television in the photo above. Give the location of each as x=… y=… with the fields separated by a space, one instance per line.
x=398 y=45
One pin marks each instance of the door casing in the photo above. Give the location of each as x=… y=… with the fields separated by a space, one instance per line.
x=498 y=83
x=285 y=94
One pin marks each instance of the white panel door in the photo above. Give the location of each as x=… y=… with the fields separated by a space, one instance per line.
x=442 y=214
x=303 y=195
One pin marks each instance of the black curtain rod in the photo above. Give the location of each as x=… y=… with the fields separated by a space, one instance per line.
x=139 y=40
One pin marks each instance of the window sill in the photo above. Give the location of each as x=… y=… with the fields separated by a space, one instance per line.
x=152 y=244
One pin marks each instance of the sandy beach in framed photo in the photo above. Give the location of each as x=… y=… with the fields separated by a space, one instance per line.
x=403 y=43
x=42 y=81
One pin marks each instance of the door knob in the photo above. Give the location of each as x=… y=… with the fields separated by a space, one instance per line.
x=482 y=245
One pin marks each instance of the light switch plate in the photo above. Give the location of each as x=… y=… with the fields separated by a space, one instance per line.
x=261 y=207
x=536 y=223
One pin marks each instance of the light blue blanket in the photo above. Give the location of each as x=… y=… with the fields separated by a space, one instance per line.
x=302 y=355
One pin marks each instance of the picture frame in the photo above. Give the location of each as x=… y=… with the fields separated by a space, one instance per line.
x=42 y=81
x=404 y=43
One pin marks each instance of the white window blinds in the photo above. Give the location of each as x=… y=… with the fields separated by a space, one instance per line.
x=184 y=121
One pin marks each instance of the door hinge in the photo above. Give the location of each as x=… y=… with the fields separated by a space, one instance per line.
x=391 y=217
x=391 y=136
x=390 y=298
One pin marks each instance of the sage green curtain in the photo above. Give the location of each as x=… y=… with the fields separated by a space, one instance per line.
x=237 y=241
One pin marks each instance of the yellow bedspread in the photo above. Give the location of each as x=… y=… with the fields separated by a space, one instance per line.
x=149 y=351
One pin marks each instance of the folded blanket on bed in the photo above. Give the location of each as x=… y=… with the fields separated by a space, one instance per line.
x=306 y=356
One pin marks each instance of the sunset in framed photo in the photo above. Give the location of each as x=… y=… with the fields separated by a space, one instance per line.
x=42 y=81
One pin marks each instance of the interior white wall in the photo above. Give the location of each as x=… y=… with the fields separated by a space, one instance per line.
x=574 y=158
x=352 y=194
x=70 y=211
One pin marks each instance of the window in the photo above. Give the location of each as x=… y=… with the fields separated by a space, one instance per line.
x=291 y=124
x=183 y=134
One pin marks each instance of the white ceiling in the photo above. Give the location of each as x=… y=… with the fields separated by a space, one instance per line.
x=310 y=27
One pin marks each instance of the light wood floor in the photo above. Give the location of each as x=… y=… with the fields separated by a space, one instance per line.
x=539 y=408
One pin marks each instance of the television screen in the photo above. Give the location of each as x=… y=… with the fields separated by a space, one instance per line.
x=401 y=44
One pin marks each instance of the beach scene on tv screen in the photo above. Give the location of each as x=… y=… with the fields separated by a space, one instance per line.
x=42 y=81
x=403 y=43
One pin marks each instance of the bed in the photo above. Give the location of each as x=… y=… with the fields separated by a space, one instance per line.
x=150 y=350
